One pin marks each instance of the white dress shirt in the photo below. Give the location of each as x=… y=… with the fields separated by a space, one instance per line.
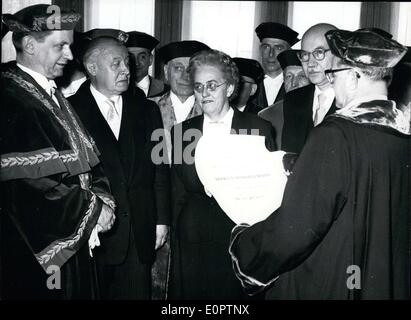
x=327 y=98
x=241 y=109
x=104 y=107
x=222 y=126
x=144 y=84
x=272 y=87
x=72 y=88
x=181 y=109
x=48 y=85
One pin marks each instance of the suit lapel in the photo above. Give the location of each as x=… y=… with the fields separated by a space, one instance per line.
x=127 y=138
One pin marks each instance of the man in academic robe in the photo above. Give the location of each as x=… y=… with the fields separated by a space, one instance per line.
x=307 y=107
x=54 y=194
x=343 y=228
x=251 y=73
x=141 y=45
x=274 y=39
x=122 y=125
x=178 y=104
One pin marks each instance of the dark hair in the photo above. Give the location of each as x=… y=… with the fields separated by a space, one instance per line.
x=17 y=38
x=217 y=59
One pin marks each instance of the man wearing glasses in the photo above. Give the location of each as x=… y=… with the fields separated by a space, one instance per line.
x=308 y=106
x=274 y=39
x=343 y=229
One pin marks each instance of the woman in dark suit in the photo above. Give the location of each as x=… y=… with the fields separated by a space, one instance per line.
x=201 y=266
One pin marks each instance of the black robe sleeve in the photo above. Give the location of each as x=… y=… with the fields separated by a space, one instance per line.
x=314 y=196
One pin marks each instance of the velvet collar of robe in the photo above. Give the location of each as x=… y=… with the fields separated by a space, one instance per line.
x=379 y=112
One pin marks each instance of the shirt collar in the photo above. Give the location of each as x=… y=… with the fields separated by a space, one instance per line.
x=144 y=83
x=101 y=99
x=279 y=78
x=329 y=91
x=175 y=101
x=45 y=83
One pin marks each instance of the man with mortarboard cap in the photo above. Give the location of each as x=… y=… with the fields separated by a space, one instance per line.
x=140 y=45
x=56 y=198
x=251 y=73
x=294 y=78
x=346 y=205
x=274 y=38
x=178 y=104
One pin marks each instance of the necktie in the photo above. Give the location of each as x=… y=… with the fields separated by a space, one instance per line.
x=52 y=92
x=320 y=106
x=113 y=118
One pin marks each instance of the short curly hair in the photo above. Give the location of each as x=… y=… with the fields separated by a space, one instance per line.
x=219 y=60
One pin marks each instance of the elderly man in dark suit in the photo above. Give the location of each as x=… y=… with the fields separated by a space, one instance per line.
x=307 y=107
x=122 y=126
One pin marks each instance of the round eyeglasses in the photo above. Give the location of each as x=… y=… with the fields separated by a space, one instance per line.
x=210 y=86
x=318 y=54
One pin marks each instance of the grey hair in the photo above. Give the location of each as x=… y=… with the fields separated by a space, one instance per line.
x=217 y=59
x=372 y=73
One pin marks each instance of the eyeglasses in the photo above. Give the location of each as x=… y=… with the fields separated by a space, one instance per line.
x=318 y=54
x=329 y=73
x=210 y=86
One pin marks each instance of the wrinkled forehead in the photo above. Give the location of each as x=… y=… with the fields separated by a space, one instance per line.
x=114 y=51
x=293 y=69
x=180 y=61
x=275 y=41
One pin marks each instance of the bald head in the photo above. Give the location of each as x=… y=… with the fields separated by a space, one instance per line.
x=318 y=30
x=314 y=40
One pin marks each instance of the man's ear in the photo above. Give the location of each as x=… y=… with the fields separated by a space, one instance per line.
x=151 y=59
x=91 y=68
x=253 y=89
x=29 y=44
x=165 y=68
x=230 y=90
x=352 y=80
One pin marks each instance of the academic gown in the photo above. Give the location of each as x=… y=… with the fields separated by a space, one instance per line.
x=345 y=205
x=53 y=189
x=201 y=266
